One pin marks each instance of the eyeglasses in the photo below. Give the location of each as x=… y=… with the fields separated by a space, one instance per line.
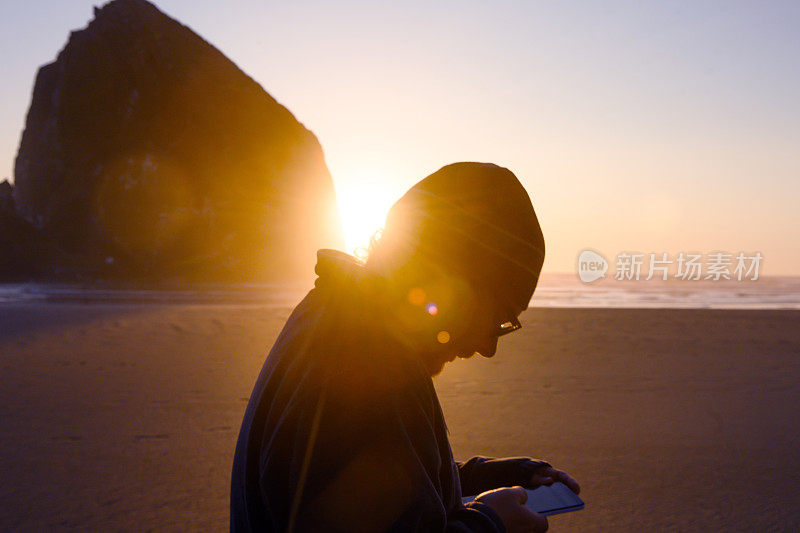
x=507 y=327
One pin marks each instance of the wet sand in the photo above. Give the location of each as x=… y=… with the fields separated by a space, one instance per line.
x=122 y=416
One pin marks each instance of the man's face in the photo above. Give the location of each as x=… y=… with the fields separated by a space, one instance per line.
x=478 y=335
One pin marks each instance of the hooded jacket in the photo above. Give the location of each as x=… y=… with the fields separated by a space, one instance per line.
x=344 y=431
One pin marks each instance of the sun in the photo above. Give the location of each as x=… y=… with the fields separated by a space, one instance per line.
x=363 y=206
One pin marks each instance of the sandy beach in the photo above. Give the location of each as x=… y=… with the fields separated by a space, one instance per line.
x=124 y=416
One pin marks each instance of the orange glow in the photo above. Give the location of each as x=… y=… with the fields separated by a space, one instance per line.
x=416 y=296
x=363 y=205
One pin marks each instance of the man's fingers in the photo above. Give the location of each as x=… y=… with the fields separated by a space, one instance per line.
x=520 y=493
x=541 y=523
x=546 y=475
x=545 y=471
x=543 y=475
x=536 y=522
x=569 y=482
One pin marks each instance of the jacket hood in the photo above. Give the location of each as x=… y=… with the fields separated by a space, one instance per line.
x=335 y=267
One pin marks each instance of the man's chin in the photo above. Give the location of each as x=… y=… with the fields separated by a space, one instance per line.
x=435 y=367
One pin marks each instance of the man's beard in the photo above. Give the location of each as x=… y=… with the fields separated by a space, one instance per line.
x=434 y=363
x=434 y=367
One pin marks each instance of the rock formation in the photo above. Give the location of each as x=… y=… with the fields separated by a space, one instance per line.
x=148 y=154
x=25 y=253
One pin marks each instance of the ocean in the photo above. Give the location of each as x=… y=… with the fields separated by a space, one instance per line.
x=554 y=290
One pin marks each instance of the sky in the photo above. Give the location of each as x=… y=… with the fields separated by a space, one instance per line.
x=652 y=127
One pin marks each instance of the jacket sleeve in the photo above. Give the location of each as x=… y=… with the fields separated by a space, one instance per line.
x=377 y=466
x=480 y=474
x=474 y=517
x=376 y=493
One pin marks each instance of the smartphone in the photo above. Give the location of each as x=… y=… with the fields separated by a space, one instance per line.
x=549 y=499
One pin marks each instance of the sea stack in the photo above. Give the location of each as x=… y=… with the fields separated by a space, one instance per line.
x=149 y=154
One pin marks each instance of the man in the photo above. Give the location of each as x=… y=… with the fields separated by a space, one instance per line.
x=343 y=431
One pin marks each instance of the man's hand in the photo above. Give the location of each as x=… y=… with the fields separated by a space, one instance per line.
x=509 y=504
x=547 y=475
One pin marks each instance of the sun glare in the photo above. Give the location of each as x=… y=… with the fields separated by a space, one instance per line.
x=363 y=208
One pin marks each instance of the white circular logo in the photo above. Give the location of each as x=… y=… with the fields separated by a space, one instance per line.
x=591 y=266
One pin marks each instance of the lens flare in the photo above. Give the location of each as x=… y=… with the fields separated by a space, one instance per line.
x=416 y=296
x=432 y=309
x=443 y=337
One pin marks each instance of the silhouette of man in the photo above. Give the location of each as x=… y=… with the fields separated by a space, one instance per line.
x=344 y=431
